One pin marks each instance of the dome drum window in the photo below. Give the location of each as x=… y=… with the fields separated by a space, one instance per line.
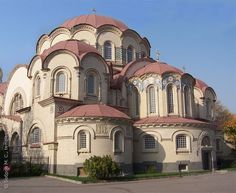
x=170 y=99
x=108 y=50
x=60 y=83
x=130 y=54
x=17 y=104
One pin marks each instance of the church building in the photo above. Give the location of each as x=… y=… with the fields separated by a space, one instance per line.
x=93 y=89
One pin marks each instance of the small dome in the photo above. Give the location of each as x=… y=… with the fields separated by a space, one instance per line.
x=95 y=110
x=3 y=88
x=201 y=85
x=157 y=67
x=95 y=21
x=75 y=46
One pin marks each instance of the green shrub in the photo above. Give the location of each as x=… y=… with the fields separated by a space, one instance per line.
x=101 y=167
x=25 y=169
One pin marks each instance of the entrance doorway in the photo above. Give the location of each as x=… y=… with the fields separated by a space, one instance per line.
x=206 y=160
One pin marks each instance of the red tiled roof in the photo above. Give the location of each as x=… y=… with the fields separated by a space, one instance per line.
x=95 y=21
x=157 y=67
x=200 y=84
x=94 y=110
x=168 y=120
x=79 y=48
x=12 y=117
x=3 y=87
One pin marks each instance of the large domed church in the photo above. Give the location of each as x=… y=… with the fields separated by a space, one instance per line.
x=93 y=89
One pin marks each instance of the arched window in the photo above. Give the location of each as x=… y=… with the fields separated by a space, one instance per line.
x=83 y=142
x=182 y=143
x=187 y=100
x=218 y=144
x=60 y=82
x=107 y=50
x=208 y=109
x=136 y=101
x=143 y=54
x=149 y=142
x=118 y=142
x=151 y=99
x=129 y=54
x=206 y=141
x=35 y=136
x=17 y=104
x=92 y=84
x=170 y=99
x=15 y=145
x=37 y=86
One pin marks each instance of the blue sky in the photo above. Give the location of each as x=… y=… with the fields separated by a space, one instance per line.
x=197 y=34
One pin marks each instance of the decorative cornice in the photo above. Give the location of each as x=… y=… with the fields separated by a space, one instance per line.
x=54 y=99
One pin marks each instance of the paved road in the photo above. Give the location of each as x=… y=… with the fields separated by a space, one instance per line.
x=207 y=183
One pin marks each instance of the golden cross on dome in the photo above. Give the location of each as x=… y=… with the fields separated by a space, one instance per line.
x=157 y=54
x=94 y=10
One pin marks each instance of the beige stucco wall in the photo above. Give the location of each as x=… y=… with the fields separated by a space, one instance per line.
x=166 y=144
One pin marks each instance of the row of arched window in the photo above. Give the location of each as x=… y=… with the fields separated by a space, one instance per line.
x=61 y=81
x=182 y=143
x=108 y=51
x=84 y=142
x=152 y=100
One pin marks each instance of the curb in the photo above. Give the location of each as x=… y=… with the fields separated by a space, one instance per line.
x=64 y=179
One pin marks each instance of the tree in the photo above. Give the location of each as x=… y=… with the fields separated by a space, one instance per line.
x=101 y=167
x=230 y=130
x=222 y=115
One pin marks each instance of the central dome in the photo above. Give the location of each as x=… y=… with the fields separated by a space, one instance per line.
x=95 y=21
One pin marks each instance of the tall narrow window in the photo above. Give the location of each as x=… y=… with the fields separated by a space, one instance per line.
x=107 y=51
x=152 y=99
x=218 y=148
x=91 y=84
x=118 y=141
x=208 y=108
x=17 y=104
x=35 y=136
x=129 y=54
x=186 y=101
x=136 y=101
x=170 y=99
x=37 y=86
x=61 y=82
x=15 y=143
x=83 y=140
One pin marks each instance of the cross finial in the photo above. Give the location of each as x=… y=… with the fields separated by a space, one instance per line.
x=94 y=10
x=158 y=54
x=184 y=68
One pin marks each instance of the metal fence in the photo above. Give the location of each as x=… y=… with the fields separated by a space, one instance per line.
x=43 y=162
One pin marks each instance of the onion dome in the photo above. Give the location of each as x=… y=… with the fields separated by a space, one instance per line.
x=77 y=47
x=95 y=110
x=94 y=20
